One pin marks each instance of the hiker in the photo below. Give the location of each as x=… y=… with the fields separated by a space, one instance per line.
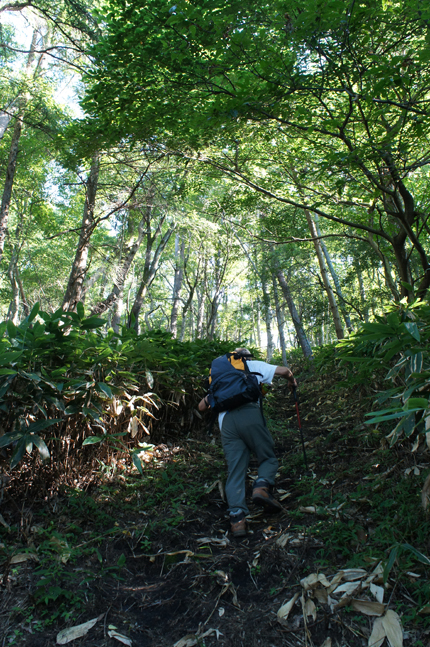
x=244 y=430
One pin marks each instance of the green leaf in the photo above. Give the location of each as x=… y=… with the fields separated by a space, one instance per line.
x=39 y=425
x=137 y=462
x=8 y=358
x=421 y=558
x=417 y=403
x=11 y=329
x=412 y=329
x=10 y=438
x=19 y=453
x=389 y=565
x=35 y=309
x=105 y=388
x=7 y=371
x=121 y=560
x=92 y=440
x=80 y=310
x=92 y=322
x=41 y=446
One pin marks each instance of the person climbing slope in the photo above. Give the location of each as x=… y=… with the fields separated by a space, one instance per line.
x=235 y=395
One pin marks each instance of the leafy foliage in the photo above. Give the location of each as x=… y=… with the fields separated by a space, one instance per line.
x=394 y=348
x=62 y=368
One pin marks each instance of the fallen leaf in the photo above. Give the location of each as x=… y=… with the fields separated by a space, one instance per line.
x=221 y=612
x=326 y=643
x=321 y=595
x=284 y=611
x=283 y=540
x=113 y=633
x=425 y=610
x=335 y=581
x=377 y=592
x=310 y=609
x=23 y=557
x=347 y=588
x=351 y=574
x=192 y=639
x=368 y=608
x=225 y=541
x=393 y=628
x=310 y=581
x=377 y=636
x=311 y=509
x=67 y=635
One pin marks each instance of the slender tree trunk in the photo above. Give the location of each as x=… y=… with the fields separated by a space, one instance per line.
x=117 y=312
x=387 y=269
x=301 y=335
x=267 y=317
x=13 y=154
x=74 y=291
x=177 y=284
x=324 y=275
x=149 y=273
x=280 y=321
x=334 y=276
x=123 y=270
x=362 y=291
x=200 y=312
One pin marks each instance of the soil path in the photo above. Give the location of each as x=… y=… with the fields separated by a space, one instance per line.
x=152 y=559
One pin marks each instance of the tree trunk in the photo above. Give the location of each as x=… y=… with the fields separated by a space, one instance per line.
x=124 y=268
x=177 y=284
x=387 y=270
x=301 y=335
x=149 y=272
x=280 y=321
x=324 y=275
x=334 y=276
x=74 y=290
x=13 y=153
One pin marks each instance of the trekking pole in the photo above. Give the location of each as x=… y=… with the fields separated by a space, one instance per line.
x=300 y=427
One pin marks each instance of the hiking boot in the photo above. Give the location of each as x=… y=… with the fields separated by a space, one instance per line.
x=238 y=525
x=263 y=496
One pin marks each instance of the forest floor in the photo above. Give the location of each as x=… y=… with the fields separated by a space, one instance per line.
x=150 y=560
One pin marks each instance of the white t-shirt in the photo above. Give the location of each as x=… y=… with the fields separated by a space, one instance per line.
x=266 y=373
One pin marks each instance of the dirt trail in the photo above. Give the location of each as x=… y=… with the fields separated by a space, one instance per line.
x=155 y=560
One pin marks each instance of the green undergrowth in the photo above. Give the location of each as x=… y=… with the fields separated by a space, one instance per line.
x=63 y=377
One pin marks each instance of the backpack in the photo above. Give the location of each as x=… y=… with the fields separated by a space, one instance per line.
x=232 y=384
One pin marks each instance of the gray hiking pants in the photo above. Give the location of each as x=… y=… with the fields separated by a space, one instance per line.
x=243 y=431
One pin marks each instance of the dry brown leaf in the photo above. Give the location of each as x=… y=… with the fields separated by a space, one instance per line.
x=335 y=581
x=284 y=611
x=310 y=581
x=283 y=540
x=311 y=509
x=352 y=574
x=310 y=609
x=377 y=636
x=192 y=639
x=225 y=541
x=393 y=628
x=323 y=580
x=347 y=588
x=67 y=635
x=377 y=592
x=368 y=608
x=425 y=610
x=23 y=557
x=113 y=633
x=321 y=595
